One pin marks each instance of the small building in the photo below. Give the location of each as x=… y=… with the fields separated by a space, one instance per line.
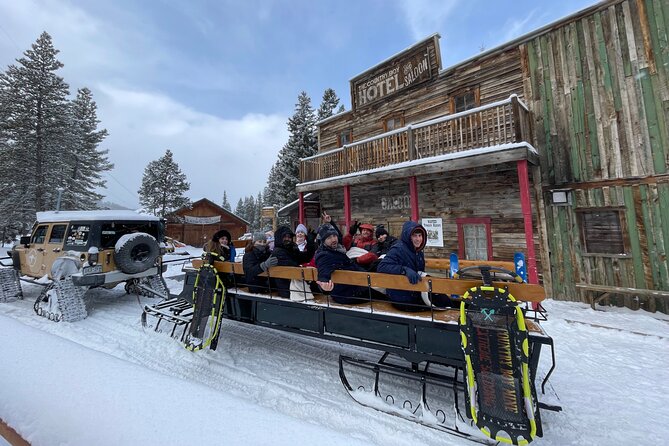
x=312 y=212
x=195 y=224
x=555 y=144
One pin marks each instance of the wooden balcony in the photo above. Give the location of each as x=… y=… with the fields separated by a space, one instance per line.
x=497 y=125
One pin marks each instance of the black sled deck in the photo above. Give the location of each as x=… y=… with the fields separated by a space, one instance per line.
x=499 y=394
x=194 y=316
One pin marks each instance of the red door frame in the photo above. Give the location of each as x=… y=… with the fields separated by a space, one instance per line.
x=300 y=207
x=347 y=206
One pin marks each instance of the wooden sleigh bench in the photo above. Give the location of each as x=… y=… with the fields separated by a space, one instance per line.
x=601 y=292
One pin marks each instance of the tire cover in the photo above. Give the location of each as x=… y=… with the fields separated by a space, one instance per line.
x=135 y=253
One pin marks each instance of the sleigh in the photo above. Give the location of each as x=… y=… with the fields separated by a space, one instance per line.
x=431 y=369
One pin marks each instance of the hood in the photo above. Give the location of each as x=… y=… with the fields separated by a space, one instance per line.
x=220 y=234
x=280 y=233
x=408 y=228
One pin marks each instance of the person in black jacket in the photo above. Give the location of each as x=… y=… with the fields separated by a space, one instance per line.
x=257 y=260
x=330 y=257
x=383 y=241
x=288 y=254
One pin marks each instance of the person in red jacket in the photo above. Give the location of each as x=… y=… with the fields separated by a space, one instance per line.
x=365 y=240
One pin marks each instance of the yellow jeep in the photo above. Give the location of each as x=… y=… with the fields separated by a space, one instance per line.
x=79 y=250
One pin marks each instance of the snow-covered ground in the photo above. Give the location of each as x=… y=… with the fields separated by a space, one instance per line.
x=105 y=380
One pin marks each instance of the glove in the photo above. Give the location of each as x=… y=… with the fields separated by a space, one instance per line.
x=311 y=236
x=270 y=262
x=412 y=275
x=354 y=228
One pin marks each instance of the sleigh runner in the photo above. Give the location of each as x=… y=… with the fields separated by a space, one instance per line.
x=422 y=372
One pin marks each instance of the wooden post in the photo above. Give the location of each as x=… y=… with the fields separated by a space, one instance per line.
x=526 y=207
x=413 y=194
x=515 y=114
x=347 y=206
x=346 y=165
x=300 y=207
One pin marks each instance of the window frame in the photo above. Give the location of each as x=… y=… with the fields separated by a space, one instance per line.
x=461 y=222
x=476 y=90
x=398 y=115
x=62 y=240
x=340 y=139
x=622 y=224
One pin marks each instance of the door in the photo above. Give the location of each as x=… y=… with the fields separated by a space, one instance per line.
x=35 y=255
x=54 y=245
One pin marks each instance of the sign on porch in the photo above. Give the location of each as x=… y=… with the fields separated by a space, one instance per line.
x=435 y=231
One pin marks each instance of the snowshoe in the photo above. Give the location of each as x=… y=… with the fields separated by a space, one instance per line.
x=499 y=394
x=208 y=299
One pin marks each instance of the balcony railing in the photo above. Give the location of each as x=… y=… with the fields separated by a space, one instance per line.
x=490 y=125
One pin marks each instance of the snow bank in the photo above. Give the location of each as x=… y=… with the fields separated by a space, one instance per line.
x=83 y=397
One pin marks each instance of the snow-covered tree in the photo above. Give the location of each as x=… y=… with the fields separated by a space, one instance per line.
x=163 y=186
x=34 y=127
x=226 y=203
x=328 y=105
x=85 y=162
x=46 y=141
x=302 y=143
x=239 y=209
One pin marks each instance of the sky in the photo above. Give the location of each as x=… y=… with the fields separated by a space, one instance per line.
x=216 y=81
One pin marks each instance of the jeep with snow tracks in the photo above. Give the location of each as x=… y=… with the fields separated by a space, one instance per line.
x=78 y=250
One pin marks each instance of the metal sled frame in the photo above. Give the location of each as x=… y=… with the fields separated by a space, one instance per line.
x=419 y=338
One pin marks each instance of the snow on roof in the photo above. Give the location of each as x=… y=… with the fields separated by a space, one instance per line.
x=53 y=216
x=292 y=204
x=430 y=160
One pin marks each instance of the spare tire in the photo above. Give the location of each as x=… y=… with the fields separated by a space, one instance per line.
x=135 y=253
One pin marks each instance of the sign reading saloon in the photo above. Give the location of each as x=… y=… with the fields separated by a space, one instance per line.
x=400 y=73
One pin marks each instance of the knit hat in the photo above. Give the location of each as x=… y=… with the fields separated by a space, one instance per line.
x=221 y=233
x=380 y=230
x=301 y=228
x=367 y=226
x=259 y=236
x=325 y=231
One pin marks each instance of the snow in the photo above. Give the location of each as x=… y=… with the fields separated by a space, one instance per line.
x=53 y=216
x=105 y=380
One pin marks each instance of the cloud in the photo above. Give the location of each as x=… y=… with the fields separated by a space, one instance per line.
x=216 y=154
x=424 y=17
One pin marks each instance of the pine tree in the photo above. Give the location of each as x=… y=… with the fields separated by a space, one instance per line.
x=226 y=203
x=239 y=209
x=328 y=105
x=302 y=143
x=163 y=186
x=85 y=162
x=34 y=128
x=257 y=219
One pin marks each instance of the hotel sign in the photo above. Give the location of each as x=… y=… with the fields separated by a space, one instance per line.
x=400 y=73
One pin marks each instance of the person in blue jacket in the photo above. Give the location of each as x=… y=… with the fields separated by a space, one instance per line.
x=406 y=258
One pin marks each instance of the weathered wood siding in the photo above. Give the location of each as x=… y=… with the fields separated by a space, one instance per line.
x=483 y=192
x=497 y=77
x=598 y=88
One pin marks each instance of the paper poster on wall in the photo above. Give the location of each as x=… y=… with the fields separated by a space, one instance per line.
x=435 y=232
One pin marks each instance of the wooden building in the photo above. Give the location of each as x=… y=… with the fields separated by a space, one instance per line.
x=555 y=143
x=195 y=224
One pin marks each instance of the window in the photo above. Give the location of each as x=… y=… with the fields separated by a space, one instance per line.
x=111 y=232
x=344 y=137
x=464 y=100
x=601 y=231
x=393 y=122
x=57 y=234
x=78 y=235
x=39 y=236
x=474 y=238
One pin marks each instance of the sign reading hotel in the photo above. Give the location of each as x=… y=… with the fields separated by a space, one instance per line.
x=398 y=74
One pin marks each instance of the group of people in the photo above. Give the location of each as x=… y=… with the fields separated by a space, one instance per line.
x=363 y=248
